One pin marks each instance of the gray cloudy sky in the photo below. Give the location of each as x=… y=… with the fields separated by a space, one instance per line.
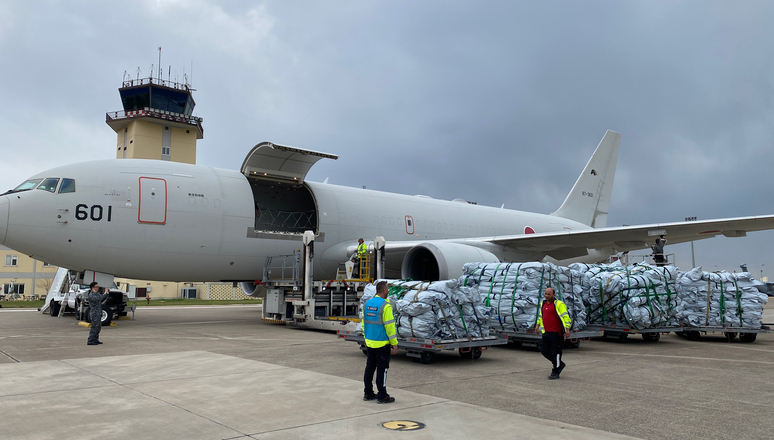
x=493 y=101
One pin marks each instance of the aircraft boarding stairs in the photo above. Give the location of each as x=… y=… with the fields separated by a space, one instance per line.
x=60 y=285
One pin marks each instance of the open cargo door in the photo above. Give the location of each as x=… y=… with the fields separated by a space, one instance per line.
x=278 y=162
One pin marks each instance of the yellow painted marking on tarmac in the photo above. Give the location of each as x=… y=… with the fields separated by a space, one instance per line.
x=403 y=425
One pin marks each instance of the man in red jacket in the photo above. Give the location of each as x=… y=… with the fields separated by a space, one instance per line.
x=554 y=323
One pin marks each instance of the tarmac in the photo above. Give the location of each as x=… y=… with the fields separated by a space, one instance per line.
x=220 y=373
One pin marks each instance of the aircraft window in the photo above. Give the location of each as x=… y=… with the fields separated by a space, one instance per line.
x=49 y=184
x=376 y=219
x=28 y=184
x=68 y=186
x=392 y=221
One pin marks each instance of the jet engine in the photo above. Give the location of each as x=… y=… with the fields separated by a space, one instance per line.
x=252 y=289
x=441 y=261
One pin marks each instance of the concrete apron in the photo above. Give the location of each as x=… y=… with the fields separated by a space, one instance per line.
x=203 y=395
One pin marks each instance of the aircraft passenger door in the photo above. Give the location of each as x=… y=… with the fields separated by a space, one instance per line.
x=153 y=201
x=409 y=225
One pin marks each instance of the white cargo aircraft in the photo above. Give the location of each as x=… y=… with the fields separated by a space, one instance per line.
x=166 y=221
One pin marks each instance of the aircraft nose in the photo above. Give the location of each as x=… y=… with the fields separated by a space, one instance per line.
x=3 y=218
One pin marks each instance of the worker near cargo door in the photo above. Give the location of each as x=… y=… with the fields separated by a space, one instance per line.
x=96 y=299
x=658 y=251
x=554 y=323
x=381 y=342
x=360 y=255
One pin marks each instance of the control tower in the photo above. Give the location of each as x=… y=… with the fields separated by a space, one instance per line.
x=156 y=122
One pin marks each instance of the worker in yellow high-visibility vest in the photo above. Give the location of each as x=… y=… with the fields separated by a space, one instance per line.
x=381 y=342
x=360 y=255
x=554 y=324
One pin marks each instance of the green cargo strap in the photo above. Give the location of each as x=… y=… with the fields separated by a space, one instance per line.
x=739 y=310
x=462 y=316
x=513 y=300
x=540 y=292
x=709 y=290
x=500 y=299
x=480 y=275
x=487 y=301
x=722 y=304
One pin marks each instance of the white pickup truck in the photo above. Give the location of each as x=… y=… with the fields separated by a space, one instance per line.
x=76 y=300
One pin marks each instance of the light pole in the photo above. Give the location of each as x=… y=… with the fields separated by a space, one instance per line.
x=693 y=255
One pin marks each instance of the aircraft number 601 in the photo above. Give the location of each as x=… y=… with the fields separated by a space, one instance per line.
x=95 y=212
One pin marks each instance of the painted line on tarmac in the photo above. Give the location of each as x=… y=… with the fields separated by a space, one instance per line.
x=9 y=356
x=231 y=306
x=18 y=310
x=744 y=361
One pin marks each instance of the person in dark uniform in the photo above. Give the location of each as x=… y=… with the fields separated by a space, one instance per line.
x=96 y=299
x=658 y=251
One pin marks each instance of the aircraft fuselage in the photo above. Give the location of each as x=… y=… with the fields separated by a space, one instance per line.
x=169 y=221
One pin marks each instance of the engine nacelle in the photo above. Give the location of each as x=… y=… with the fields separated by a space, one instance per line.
x=253 y=290
x=441 y=261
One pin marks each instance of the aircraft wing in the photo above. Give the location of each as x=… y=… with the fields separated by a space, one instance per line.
x=570 y=244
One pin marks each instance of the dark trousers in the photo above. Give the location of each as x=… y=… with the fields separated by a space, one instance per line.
x=551 y=347
x=378 y=362
x=95 y=315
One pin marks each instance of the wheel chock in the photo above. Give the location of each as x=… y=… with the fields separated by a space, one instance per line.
x=84 y=324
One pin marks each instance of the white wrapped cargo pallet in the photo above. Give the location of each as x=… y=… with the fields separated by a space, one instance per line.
x=435 y=310
x=515 y=290
x=719 y=299
x=639 y=296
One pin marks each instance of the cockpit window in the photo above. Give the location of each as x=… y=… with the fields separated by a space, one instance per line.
x=49 y=184
x=68 y=186
x=28 y=184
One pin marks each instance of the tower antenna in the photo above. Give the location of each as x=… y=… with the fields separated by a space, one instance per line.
x=160 y=79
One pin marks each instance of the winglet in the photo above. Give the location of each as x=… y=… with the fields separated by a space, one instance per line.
x=589 y=199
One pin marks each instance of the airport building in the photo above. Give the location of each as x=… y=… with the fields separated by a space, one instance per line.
x=23 y=277
x=157 y=122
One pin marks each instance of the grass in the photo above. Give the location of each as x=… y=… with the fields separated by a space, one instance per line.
x=22 y=304
x=142 y=303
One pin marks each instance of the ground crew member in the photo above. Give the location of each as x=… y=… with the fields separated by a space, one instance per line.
x=96 y=299
x=381 y=341
x=554 y=323
x=658 y=251
x=360 y=255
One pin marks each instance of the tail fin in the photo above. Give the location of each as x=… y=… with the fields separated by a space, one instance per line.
x=589 y=199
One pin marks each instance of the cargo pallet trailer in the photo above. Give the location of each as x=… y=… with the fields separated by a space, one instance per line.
x=745 y=334
x=425 y=349
x=532 y=339
x=622 y=332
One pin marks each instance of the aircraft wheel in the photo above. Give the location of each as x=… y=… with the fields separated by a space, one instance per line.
x=571 y=344
x=107 y=316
